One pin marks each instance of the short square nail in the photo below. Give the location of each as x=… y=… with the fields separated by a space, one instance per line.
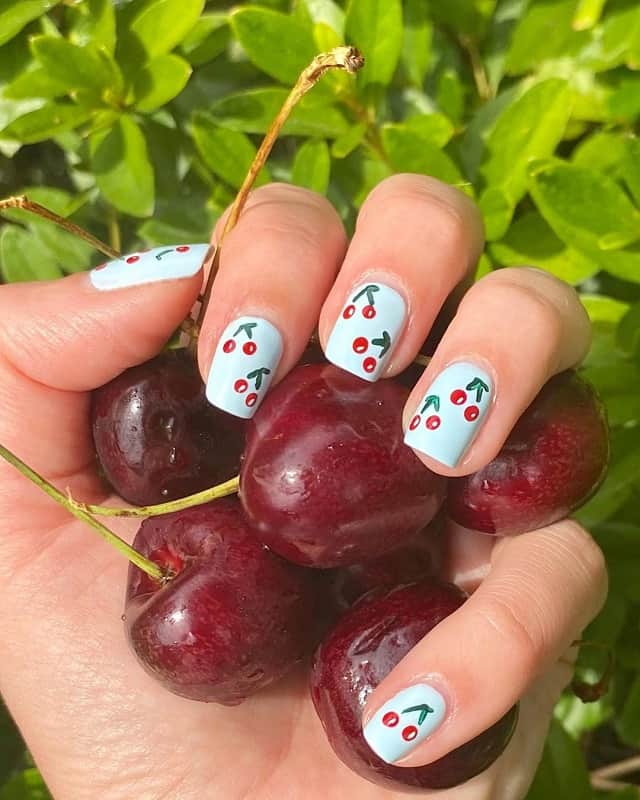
x=367 y=330
x=405 y=721
x=450 y=413
x=149 y=266
x=243 y=366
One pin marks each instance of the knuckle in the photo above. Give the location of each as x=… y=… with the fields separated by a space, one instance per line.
x=516 y=631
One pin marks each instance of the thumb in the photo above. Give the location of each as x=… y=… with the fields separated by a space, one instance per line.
x=59 y=339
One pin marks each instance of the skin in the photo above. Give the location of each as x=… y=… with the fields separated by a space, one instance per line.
x=96 y=724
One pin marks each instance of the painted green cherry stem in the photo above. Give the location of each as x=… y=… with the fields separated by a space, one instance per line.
x=199 y=498
x=153 y=570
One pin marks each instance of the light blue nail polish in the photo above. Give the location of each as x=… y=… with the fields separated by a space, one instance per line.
x=405 y=721
x=450 y=413
x=149 y=266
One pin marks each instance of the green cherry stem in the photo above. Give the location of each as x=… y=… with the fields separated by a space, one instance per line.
x=214 y=493
x=79 y=511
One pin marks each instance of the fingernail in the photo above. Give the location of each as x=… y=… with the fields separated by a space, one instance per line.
x=243 y=366
x=149 y=266
x=367 y=330
x=405 y=721
x=450 y=413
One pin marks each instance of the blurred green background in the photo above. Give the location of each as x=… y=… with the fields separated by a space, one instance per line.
x=139 y=118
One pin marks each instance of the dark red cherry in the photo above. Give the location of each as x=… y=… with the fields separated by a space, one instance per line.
x=157 y=437
x=326 y=479
x=419 y=558
x=365 y=645
x=235 y=617
x=553 y=460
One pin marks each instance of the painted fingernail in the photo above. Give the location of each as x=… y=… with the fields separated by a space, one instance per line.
x=149 y=266
x=367 y=330
x=405 y=721
x=243 y=366
x=450 y=413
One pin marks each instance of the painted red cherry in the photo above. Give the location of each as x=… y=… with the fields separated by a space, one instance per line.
x=249 y=348
x=415 y=422
x=472 y=413
x=229 y=346
x=458 y=397
x=133 y=259
x=241 y=385
x=349 y=312
x=361 y=344
x=368 y=312
x=433 y=422
x=409 y=733
x=251 y=399
x=184 y=248
x=369 y=364
x=390 y=719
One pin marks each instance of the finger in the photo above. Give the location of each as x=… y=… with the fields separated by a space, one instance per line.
x=61 y=338
x=543 y=588
x=513 y=331
x=276 y=267
x=415 y=240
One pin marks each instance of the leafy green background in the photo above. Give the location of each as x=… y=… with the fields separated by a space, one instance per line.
x=139 y=118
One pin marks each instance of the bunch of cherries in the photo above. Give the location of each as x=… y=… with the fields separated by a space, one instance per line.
x=331 y=544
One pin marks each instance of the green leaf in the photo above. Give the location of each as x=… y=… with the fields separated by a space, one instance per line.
x=27 y=785
x=544 y=32
x=603 y=309
x=15 y=14
x=497 y=210
x=160 y=81
x=531 y=242
x=584 y=207
x=207 y=39
x=23 y=258
x=624 y=102
x=312 y=166
x=628 y=723
x=349 y=140
x=253 y=111
x=434 y=126
x=11 y=745
x=528 y=129
x=416 y=47
x=587 y=14
x=77 y=67
x=94 y=22
x=35 y=83
x=562 y=771
x=630 y=168
x=123 y=172
x=628 y=332
x=324 y=12
x=162 y=24
x=410 y=151
x=463 y=16
x=603 y=151
x=375 y=27
x=45 y=122
x=450 y=94
x=276 y=43
x=227 y=153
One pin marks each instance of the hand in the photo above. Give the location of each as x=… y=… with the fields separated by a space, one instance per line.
x=96 y=723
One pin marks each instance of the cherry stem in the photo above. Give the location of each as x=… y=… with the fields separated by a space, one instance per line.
x=23 y=202
x=592 y=692
x=81 y=513
x=346 y=58
x=214 y=493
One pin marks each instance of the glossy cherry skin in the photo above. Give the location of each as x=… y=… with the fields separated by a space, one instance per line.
x=157 y=437
x=326 y=479
x=233 y=620
x=363 y=647
x=421 y=557
x=553 y=461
